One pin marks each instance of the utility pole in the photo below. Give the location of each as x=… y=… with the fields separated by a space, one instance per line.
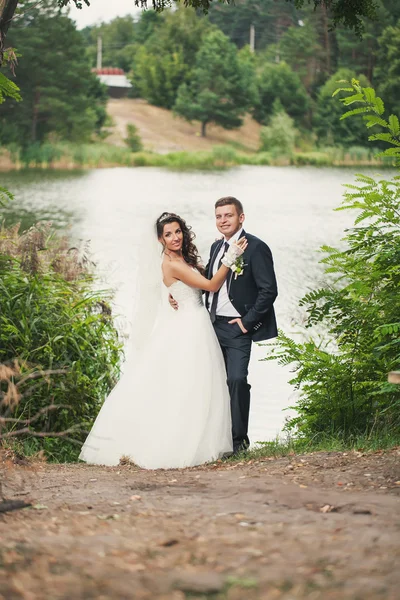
x=252 y=37
x=99 y=52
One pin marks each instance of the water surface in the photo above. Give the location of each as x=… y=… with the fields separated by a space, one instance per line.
x=290 y=208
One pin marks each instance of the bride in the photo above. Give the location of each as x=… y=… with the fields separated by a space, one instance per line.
x=171 y=407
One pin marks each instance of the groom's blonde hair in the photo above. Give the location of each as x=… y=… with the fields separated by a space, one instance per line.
x=230 y=200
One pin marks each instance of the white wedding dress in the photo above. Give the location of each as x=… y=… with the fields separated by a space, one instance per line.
x=171 y=407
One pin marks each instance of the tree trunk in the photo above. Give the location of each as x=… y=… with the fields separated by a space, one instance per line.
x=203 y=129
x=35 y=116
x=7 y=10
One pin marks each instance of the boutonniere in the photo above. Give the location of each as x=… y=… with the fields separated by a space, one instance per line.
x=238 y=266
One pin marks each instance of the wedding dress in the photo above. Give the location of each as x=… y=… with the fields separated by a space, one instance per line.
x=171 y=407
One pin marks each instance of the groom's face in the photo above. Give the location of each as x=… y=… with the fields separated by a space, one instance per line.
x=228 y=220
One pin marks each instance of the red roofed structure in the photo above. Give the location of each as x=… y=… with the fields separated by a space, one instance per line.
x=115 y=80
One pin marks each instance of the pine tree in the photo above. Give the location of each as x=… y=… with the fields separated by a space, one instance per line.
x=218 y=91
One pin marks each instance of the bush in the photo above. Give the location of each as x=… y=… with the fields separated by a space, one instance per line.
x=341 y=370
x=52 y=319
x=133 y=140
x=317 y=159
x=279 y=136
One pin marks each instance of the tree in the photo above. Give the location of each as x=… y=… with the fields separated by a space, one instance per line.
x=270 y=19
x=329 y=127
x=218 y=91
x=60 y=94
x=300 y=49
x=118 y=45
x=168 y=56
x=279 y=82
x=349 y=14
x=388 y=67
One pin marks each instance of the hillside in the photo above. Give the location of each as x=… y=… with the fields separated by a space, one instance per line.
x=163 y=132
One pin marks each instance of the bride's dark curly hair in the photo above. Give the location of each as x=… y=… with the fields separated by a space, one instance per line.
x=189 y=250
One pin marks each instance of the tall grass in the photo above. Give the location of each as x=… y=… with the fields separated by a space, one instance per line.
x=52 y=320
x=63 y=155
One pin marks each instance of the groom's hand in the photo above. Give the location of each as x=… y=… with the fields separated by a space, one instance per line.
x=239 y=322
x=173 y=302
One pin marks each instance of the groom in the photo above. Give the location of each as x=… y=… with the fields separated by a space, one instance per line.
x=242 y=310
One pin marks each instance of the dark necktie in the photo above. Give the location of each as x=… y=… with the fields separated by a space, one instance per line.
x=213 y=309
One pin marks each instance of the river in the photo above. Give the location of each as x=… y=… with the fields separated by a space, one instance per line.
x=290 y=208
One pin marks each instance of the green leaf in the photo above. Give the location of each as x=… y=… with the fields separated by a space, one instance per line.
x=355 y=111
x=394 y=125
x=372 y=120
x=352 y=99
x=8 y=88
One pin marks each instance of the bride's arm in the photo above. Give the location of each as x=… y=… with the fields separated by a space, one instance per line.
x=182 y=272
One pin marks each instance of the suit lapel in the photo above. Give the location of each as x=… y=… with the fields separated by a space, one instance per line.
x=213 y=257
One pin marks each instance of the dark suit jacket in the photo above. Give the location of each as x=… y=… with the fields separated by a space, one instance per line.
x=253 y=293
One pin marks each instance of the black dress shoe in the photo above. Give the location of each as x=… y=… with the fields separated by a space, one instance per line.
x=240 y=448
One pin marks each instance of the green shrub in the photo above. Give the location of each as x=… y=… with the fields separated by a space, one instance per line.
x=317 y=159
x=133 y=140
x=341 y=368
x=225 y=154
x=279 y=136
x=51 y=319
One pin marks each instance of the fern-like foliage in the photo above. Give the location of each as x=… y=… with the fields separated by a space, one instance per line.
x=5 y=196
x=8 y=89
x=372 y=108
x=352 y=336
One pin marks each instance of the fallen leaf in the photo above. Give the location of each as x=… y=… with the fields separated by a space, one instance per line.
x=327 y=508
x=39 y=506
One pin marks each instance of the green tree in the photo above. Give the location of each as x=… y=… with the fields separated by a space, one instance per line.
x=328 y=125
x=166 y=60
x=279 y=82
x=218 y=91
x=60 y=94
x=388 y=67
x=300 y=49
x=268 y=17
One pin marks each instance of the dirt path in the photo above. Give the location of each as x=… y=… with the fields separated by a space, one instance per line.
x=320 y=526
x=162 y=131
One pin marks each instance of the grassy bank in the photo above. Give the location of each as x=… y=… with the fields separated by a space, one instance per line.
x=290 y=446
x=100 y=155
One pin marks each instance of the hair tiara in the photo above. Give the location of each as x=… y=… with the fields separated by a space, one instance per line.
x=166 y=216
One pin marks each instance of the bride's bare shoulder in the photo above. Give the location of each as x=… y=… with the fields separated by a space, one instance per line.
x=166 y=265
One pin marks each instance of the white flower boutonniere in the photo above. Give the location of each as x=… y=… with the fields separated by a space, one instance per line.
x=238 y=266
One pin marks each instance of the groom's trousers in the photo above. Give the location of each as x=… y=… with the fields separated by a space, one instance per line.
x=236 y=348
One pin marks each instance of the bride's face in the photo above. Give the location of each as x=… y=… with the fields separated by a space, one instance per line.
x=172 y=237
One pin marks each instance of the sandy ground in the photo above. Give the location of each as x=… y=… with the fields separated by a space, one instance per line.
x=162 y=132
x=319 y=526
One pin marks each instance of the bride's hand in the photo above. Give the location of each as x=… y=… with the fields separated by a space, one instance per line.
x=242 y=244
x=234 y=251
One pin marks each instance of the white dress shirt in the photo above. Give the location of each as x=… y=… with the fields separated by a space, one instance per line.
x=225 y=307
